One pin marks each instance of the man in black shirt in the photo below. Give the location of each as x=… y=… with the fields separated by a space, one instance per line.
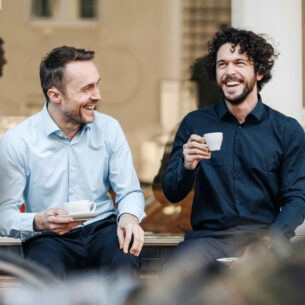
x=254 y=187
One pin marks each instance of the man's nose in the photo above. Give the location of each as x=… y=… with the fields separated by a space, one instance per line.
x=230 y=69
x=97 y=94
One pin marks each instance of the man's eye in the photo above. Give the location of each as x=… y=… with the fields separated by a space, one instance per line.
x=87 y=89
x=241 y=63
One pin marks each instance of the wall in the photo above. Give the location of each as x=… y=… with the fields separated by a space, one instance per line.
x=136 y=44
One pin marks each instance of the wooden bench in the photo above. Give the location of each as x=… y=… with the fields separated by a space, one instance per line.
x=151 y=239
x=11 y=245
x=156 y=249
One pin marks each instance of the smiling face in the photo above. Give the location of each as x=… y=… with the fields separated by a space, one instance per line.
x=81 y=92
x=235 y=75
x=74 y=106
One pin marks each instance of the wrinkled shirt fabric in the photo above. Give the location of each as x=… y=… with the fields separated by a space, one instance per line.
x=255 y=182
x=42 y=168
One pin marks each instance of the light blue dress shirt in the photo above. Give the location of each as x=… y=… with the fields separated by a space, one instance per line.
x=42 y=168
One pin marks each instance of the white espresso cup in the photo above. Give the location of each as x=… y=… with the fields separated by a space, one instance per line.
x=213 y=140
x=81 y=206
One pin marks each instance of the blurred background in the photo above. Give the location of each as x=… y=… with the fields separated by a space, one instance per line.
x=144 y=50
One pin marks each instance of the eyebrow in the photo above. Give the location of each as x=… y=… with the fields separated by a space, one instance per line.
x=234 y=60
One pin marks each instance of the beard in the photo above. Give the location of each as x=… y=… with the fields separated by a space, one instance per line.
x=236 y=100
x=75 y=118
x=78 y=116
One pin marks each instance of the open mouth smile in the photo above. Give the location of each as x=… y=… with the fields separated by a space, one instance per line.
x=90 y=107
x=232 y=83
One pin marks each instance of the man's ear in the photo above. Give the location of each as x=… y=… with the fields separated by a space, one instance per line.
x=259 y=76
x=55 y=95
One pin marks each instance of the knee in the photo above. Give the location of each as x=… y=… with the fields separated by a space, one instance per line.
x=125 y=262
x=57 y=268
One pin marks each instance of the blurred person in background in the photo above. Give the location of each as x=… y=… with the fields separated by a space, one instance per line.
x=2 y=56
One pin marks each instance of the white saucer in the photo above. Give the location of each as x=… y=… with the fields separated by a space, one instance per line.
x=82 y=216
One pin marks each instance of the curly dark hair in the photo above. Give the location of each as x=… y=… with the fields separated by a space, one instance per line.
x=254 y=45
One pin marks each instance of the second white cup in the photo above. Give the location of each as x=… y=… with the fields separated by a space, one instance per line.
x=213 y=140
x=81 y=206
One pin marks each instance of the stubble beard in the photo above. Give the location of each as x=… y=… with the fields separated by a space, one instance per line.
x=237 y=100
x=77 y=120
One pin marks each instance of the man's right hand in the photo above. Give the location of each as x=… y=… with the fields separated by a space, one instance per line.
x=53 y=220
x=194 y=151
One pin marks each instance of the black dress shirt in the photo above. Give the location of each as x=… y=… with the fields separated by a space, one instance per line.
x=256 y=180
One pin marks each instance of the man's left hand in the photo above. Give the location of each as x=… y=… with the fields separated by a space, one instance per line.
x=128 y=229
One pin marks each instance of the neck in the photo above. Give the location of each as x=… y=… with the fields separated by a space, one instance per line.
x=242 y=110
x=69 y=129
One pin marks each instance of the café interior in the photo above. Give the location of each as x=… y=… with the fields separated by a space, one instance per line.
x=144 y=51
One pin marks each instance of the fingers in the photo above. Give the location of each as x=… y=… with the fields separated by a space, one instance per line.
x=196 y=138
x=64 y=228
x=138 y=241
x=134 y=234
x=127 y=239
x=53 y=220
x=196 y=145
x=120 y=234
x=194 y=151
x=130 y=231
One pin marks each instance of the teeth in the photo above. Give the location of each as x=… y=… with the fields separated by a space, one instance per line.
x=89 y=108
x=232 y=83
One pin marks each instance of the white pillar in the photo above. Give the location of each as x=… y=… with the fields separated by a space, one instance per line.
x=282 y=20
x=171 y=18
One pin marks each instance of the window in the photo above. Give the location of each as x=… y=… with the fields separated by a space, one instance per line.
x=201 y=19
x=64 y=11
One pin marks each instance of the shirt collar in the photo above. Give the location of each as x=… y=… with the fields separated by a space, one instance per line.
x=257 y=113
x=50 y=127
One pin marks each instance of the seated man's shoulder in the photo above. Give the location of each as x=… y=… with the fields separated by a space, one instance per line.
x=21 y=127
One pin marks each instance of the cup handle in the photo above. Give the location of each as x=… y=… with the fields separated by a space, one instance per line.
x=205 y=142
x=92 y=206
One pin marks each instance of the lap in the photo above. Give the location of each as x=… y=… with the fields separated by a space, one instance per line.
x=205 y=250
x=202 y=249
x=92 y=246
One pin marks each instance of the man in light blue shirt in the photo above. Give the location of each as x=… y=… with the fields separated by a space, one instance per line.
x=70 y=152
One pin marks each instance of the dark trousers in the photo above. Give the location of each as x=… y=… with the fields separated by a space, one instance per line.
x=92 y=247
x=201 y=251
